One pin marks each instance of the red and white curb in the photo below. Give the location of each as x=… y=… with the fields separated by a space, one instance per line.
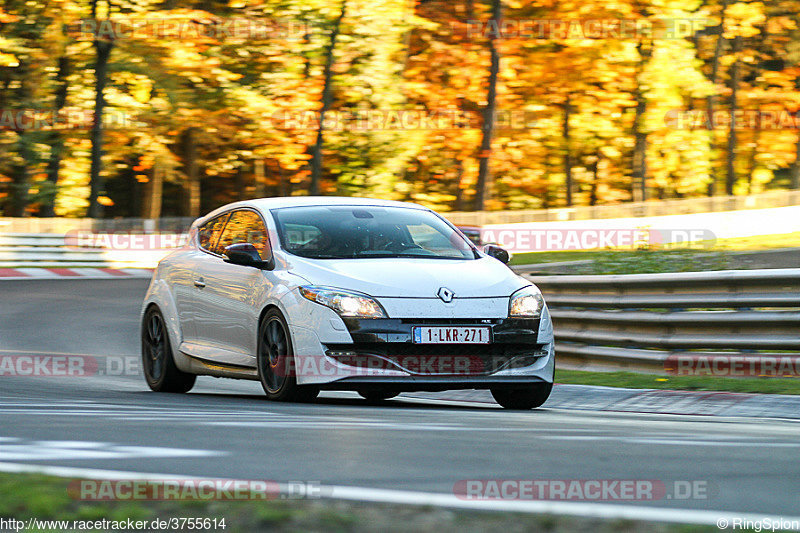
x=74 y=273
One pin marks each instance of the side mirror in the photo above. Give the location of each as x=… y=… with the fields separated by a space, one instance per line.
x=245 y=254
x=498 y=253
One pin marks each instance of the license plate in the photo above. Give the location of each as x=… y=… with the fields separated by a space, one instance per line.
x=451 y=335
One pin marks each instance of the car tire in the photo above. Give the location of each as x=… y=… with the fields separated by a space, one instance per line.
x=375 y=396
x=160 y=371
x=530 y=397
x=275 y=361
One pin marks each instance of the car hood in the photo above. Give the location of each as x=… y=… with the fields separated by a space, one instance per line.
x=411 y=278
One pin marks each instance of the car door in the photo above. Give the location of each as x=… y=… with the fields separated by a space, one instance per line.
x=226 y=315
x=184 y=287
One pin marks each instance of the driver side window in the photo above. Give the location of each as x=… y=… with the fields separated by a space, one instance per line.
x=245 y=226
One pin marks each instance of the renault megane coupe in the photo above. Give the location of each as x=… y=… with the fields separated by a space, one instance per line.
x=321 y=293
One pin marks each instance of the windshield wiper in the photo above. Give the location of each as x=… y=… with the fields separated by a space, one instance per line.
x=381 y=255
x=401 y=256
x=323 y=256
x=424 y=256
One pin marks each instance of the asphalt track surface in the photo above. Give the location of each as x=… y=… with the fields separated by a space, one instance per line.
x=226 y=428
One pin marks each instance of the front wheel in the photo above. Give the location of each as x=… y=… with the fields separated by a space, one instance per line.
x=275 y=361
x=529 y=397
x=159 y=368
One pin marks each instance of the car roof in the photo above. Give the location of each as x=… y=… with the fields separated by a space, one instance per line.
x=265 y=204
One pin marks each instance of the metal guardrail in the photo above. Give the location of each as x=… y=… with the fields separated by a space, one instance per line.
x=21 y=250
x=683 y=206
x=641 y=320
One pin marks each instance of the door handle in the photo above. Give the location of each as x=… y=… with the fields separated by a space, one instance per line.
x=199 y=283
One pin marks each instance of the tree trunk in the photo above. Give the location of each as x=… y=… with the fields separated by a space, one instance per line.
x=21 y=176
x=458 y=205
x=154 y=193
x=567 y=149
x=56 y=141
x=103 y=48
x=327 y=100
x=238 y=184
x=640 y=136
x=259 y=175
x=753 y=159
x=192 y=171
x=21 y=171
x=795 y=171
x=593 y=191
x=306 y=55
x=285 y=183
x=730 y=178
x=5 y=187
x=547 y=196
x=482 y=186
x=710 y=99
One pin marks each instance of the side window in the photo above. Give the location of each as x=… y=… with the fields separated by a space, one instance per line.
x=245 y=226
x=210 y=231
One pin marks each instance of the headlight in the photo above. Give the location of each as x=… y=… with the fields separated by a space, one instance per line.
x=526 y=302
x=345 y=303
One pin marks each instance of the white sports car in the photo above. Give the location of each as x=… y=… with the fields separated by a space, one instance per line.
x=311 y=293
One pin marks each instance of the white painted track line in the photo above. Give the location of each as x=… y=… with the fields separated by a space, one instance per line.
x=402 y=497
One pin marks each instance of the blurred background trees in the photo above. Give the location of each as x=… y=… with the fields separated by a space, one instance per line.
x=206 y=102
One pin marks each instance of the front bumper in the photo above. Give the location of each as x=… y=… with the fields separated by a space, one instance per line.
x=354 y=354
x=399 y=330
x=387 y=344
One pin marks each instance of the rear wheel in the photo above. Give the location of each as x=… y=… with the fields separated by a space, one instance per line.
x=159 y=368
x=529 y=397
x=276 y=362
x=374 y=396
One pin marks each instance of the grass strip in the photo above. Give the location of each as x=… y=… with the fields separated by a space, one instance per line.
x=633 y=380
x=24 y=496
x=700 y=257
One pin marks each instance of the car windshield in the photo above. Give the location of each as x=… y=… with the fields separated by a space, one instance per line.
x=355 y=232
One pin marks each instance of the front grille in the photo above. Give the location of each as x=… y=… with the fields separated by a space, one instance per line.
x=437 y=359
x=450 y=321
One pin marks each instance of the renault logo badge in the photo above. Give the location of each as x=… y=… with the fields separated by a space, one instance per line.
x=445 y=294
